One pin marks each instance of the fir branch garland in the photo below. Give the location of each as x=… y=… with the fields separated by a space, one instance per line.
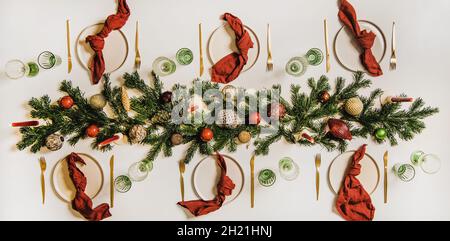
x=304 y=112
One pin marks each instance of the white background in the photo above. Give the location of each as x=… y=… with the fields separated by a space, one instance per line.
x=29 y=27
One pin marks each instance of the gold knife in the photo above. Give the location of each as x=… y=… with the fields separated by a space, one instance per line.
x=69 y=56
x=325 y=24
x=202 y=68
x=318 y=163
x=386 y=155
x=182 y=167
x=252 y=181
x=43 y=165
x=111 y=181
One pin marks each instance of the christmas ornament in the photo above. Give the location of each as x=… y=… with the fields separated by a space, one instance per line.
x=339 y=129
x=108 y=141
x=206 y=135
x=244 y=136
x=304 y=136
x=324 y=97
x=227 y=119
x=97 y=101
x=354 y=106
x=160 y=118
x=166 y=97
x=92 y=131
x=137 y=133
x=125 y=99
x=66 y=102
x=254 y=118
x=381 y=134
x=276 y=111
x=25 y=123
x=54 y=142
x=393 y=99
x=176 y=139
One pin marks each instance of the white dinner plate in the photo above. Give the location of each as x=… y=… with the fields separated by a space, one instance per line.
x=369 y=177
x=207 y=173
x=223 y=42
x=348 y=52
x=115 y=52
x=63 y=185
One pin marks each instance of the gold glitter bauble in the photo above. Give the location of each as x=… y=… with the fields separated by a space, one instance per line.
x=244 y=137
x=354 y=106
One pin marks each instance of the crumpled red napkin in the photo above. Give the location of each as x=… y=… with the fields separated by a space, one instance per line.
x=230 y=66
x=97 y=41
x=82 y=203
x=353 y=202
x=365 y=39
x=225 y=187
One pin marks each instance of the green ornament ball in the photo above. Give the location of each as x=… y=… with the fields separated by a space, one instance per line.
x=381 y=134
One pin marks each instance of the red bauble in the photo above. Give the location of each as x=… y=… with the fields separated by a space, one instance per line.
x=66 y=102
x=206 y=135
x=276 y=111
x=92 y=131
x=339 y=129
x=166 y=97
x=254 y=118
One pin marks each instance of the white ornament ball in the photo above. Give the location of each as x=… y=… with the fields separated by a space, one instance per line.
x=354 y=106
x=227 y=118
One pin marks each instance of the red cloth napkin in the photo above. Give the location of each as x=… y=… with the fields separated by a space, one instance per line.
x=230 y=66
x=82 y=203
x=97 y=41
x=365 y=39
x=353 y=202
x=225 y=187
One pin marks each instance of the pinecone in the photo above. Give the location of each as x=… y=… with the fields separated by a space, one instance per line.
x=162 y=117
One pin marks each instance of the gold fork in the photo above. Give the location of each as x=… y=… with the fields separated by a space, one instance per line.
x=182 y=168
x=43 y=164
x=269 y=50
x=318 y=163
x=393 y=61
x=137 y=60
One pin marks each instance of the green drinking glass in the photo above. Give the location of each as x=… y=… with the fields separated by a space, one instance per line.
x=163 y=66
x=34 y=69
x=267 y=178
x=48 y=60
x=184 y=56
x=139 y=171
x=297 y=66
x=289 y=170
x=314 y=56
x=405 y=172
x=122 y=184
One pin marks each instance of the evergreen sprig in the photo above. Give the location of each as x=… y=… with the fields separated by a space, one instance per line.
x=304 y=112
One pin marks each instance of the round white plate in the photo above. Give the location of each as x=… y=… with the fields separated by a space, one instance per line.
x=369 y=177
x=115 y=52
x=348 y=52
x=207 y=173
x=63 y=185
x=223 y=42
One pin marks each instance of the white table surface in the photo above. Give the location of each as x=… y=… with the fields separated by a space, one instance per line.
x=28 y=27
